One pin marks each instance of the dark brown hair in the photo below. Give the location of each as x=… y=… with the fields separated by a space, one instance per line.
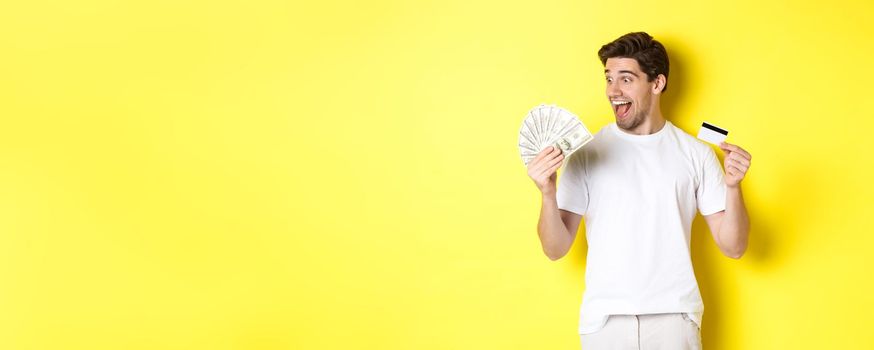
x=649 y=54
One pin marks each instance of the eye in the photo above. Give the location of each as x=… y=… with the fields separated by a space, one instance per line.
x=626 y=79
x=609 y=80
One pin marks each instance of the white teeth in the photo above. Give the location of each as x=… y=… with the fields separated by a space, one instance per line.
x=621 y=102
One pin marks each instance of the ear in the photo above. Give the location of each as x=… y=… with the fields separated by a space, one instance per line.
x=659 y=84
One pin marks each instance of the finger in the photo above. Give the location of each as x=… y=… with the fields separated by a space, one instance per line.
x=734 y=148
x=740 y=159
x=735 y=170
x=547 y=164
x=725 y=146
x=725 y=150
x=552 y=164
x=552 y=169
x=543 y=153
x=743 y=153
x=731 y=171
x=547 y=153
x=740 y=163
x=736 y=164
x=536 y=168
x=543 y=164
x=743 y=169
x=540 y=164
x=544 y=175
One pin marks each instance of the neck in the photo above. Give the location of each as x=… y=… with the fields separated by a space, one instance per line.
x=653 y=123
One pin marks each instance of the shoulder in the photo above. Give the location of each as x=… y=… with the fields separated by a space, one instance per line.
x=603 y=137
x=600 y=140
x=691 y=144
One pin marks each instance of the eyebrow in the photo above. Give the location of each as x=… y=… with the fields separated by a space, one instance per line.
x=623 y=71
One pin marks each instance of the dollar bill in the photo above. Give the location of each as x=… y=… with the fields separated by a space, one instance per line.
x=550 y=125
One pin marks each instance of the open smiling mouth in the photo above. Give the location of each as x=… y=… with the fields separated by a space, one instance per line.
x=621 y=108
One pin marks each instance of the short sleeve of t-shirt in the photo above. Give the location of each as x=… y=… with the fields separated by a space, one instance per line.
x=711 y=186
x=572 y=194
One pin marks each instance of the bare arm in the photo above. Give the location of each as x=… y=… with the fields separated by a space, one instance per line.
x=731 y=228
x=556 y=228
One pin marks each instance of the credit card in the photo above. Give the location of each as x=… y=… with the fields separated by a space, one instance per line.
x=712 y=133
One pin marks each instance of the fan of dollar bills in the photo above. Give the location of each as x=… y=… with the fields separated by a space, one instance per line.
x=550 y=125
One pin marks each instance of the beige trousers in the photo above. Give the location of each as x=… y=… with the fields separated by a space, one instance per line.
x=645 y=332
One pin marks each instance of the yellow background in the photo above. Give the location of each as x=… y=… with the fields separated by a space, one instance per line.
x=344 y=175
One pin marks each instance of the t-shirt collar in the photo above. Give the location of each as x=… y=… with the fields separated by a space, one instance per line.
x=641 y=138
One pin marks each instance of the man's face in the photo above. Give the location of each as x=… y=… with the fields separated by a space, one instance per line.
x=629 y=92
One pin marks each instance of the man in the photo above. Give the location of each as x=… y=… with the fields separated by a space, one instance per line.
x=639 y=184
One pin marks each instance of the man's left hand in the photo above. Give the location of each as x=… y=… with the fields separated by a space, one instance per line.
x=737 y=162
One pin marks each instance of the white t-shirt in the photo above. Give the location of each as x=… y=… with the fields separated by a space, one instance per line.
x=638 y=195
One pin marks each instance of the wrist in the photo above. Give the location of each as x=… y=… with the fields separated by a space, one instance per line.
x=548 y=194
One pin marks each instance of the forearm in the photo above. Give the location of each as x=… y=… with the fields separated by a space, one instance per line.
x=554 y=236
x=735 y=227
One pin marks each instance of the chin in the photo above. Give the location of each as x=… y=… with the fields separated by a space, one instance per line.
x=628 y=123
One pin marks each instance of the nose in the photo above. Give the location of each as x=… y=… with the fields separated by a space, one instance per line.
x=613 y=90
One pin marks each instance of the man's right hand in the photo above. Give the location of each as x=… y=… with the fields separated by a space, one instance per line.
x=542 y=169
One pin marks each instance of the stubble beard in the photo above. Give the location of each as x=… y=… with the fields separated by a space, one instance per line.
x=633 y=121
